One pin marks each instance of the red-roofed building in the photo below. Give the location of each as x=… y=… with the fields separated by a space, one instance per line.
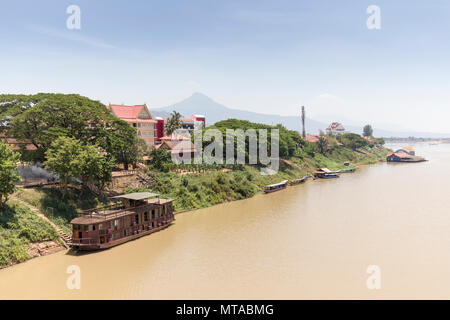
x=140 y=118
x=311 y=138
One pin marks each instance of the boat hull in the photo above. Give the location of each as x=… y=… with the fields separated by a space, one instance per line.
x=275 y=190
x=101 y=246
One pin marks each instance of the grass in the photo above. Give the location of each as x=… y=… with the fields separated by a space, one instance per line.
x=18 y=228
x=58 y=208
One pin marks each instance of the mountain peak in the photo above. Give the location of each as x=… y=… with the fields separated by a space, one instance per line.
x=200 y=97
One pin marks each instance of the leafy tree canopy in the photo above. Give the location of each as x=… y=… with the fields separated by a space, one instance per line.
x=8 y=172
x=367 y=130
x=44 y=117
x=71 y=159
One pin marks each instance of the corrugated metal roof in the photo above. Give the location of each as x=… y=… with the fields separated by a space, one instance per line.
x=137 y=196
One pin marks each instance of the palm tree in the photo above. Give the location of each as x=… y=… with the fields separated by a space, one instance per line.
x=173 y=123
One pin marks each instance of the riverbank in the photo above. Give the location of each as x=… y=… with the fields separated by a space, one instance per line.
x=23 y=235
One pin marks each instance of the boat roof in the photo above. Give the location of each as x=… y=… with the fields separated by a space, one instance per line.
x=277 y=184
x=137 y=196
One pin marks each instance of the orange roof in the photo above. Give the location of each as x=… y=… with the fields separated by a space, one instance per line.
x=128 y=113
x=399 y=154
x=408 y=148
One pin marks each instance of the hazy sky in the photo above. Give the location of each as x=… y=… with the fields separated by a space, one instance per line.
x=264 y=56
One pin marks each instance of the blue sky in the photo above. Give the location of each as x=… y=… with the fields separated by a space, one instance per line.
x=264 y=56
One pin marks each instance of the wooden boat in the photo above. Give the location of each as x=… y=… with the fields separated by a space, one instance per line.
x=132 y=216
x=346 y=170
x=297 y=181
x=325 y=173
x=276 y=187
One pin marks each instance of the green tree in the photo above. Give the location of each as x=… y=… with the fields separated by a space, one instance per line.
x=42 y=118
x=322 y=144
x=8 y=172
x=367 y=130
x=173 y=123
x=122 y=142
x=160 y=159
x=71 y=159
x=353 y=141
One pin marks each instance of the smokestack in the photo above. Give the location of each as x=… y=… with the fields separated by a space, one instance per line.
x=303 y=123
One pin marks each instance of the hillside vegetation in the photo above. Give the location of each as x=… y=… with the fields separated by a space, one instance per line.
x=19 y=227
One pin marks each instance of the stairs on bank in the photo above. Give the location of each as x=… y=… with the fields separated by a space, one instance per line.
x=65 y=239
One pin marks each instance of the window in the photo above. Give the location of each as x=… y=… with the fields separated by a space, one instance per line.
x=100 y=226
x=136 y=218
x=145 y=216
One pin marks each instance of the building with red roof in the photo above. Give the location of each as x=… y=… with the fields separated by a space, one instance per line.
x=140 y=118
x=313 y=138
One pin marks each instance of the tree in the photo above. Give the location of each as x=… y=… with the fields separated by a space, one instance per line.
x=71 y=159
x=42 y=118
x=8 y=172
x=367 y=130
x=173 y=123
x=322 y=144
x=353 y=141
x=122 y=142
x=161 y=159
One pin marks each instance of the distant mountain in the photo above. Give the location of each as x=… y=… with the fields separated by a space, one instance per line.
x=199 y=103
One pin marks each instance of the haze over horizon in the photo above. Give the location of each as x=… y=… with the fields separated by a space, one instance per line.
x=260 y=56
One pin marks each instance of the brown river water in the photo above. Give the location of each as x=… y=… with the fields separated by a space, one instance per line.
x=310 y=241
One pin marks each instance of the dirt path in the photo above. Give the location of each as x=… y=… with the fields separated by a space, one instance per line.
x=64 y=237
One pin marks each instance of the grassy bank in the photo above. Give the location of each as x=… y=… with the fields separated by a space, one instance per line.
x=19 y=228
x=59 y=208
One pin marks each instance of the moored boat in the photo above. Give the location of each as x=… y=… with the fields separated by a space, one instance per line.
x=326 y=173
x=132 y=216
x=298 y=181
x=276 y=187
x=346 y=170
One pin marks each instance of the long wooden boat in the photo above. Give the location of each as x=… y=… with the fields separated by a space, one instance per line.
x=325 y=173
x=298 y=181
x=133 y=215
x=276 y=187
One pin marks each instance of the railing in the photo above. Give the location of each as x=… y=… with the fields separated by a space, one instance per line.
x=135 y=229
x=85 y=241
x=102 y=213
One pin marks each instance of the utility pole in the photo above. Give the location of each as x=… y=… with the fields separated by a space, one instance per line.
x=303 y=122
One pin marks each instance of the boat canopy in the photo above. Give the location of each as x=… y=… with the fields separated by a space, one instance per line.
x=137 y=196
x=277 y=184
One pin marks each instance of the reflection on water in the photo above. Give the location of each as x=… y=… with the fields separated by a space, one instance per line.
x=314 y=240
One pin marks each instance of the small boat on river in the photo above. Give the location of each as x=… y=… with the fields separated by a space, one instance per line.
x=346 y=170
x=298 y=181
x=131 y=216
x=276 y=187
x=326 y=173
